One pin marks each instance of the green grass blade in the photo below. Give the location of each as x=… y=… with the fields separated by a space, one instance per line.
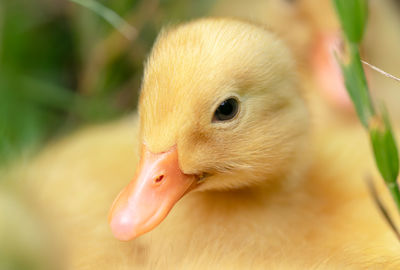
x=356 y=85
x=385 y=150
x=353 y=15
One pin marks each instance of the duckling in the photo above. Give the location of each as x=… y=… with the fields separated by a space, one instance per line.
x=232 y=172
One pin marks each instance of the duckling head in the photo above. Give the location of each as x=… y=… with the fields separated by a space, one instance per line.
x=219 y=109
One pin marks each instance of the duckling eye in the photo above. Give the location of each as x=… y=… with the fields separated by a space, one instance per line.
x=226 y=110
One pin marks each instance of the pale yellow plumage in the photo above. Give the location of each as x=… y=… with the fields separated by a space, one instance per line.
x=286 y=189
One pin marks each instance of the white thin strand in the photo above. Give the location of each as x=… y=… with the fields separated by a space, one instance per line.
x=381 y=71
x=110 y=16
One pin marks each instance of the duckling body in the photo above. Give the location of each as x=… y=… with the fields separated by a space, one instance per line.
x=300 y=203
x=328 y=221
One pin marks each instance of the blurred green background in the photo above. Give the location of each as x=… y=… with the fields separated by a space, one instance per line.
x=63 y=66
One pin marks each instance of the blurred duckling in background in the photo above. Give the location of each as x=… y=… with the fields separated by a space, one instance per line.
x=311 y=30
x=234 y=171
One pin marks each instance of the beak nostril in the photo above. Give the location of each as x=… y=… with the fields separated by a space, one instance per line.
x=158 y=179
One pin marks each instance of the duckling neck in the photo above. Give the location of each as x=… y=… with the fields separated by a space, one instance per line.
x=278 y=190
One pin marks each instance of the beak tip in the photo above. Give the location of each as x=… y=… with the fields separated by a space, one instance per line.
x=141 y=206
x=122 y=227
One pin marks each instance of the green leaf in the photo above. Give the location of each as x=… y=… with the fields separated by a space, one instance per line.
x=385 y=150
x=357 y=87
x=353 y=17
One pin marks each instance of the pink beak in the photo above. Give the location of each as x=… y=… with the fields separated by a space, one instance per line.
x=158 y=184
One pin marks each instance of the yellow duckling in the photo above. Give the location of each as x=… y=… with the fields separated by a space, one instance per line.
x=232 y=175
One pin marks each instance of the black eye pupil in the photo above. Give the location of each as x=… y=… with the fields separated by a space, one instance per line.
x=226 y=110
